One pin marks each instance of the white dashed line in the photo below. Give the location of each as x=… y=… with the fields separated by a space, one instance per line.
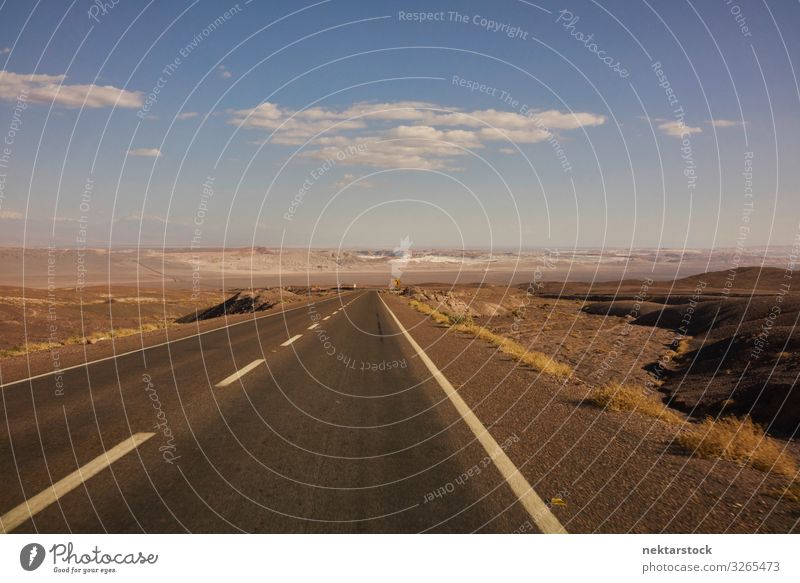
x=292 y=339
x=326 y=318
x=313 y=326
x=32 y=506
x=239 y=374
x=539 y=512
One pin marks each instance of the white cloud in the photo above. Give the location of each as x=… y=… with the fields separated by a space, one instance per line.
x=295 y=127
x=550 y=119
x=52 y=89
x=725 y=123
x=677 y=129
x=11 y=216
x=187 y=115
x=349 y=180
x=405 y=133
x=463 y=138
x=224 y=73
x=522 y=136
x=145 y=152
x=5 y=51
x=385 y=155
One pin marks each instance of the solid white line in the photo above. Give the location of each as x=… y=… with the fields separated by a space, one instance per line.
x=292 y=339
x=313 y=326
x=121 y=354
x=239 y=373
x=326 y=318
x=537 y=509
x=32 y=506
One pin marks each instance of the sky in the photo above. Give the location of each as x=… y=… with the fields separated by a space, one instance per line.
x=502 y=124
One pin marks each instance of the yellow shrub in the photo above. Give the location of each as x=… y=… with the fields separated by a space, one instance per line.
x=536 y=360
x=632 y=398
x=737 y=440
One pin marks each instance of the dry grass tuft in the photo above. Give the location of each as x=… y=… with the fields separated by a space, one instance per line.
x=632 y=398
x=790 y=492
x=460 y=319
x=27 y=348
x=31 y=347
x=738 y=440
x=729 y=438
x=463 y=323
x=435 y=315
x=683 y=347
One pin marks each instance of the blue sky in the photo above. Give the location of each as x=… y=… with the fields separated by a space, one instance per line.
x=356 y=124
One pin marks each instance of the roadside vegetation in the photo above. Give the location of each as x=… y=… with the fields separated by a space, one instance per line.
x=683 y=347
x=635 y=399
x=27 y=348
x=93 y=338
x=740 y=441
x=728 y=438
x=463 y=323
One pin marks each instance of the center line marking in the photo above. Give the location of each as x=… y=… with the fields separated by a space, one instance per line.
x=292 y=339
x=239 y=374
x=13 y=518
x=326 y=318
x=535 y=506
x=313 y=326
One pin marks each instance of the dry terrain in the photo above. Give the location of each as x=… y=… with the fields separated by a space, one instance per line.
x=707 y=347
x=604 y=386
x=35 y=320
x=259 y=267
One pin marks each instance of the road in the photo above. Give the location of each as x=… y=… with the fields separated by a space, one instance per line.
x=324 y=418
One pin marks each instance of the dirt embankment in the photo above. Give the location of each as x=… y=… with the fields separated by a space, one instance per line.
x=732 y=353
x=34 y=320
x=256 y=300
x=721 y=343
x=243 y=302
x=742 y=357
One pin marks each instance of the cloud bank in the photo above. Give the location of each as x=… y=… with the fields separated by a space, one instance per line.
x=52 y=89
x=405 y=134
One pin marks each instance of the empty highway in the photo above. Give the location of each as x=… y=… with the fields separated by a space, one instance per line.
x=323 y=418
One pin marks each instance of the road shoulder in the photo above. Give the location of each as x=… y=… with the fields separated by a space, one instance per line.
x=614 y=472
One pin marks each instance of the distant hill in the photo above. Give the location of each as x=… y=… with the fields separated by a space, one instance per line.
x=743 y=278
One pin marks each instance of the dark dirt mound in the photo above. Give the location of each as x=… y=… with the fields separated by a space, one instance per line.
x=762 y=279
x=744 y=351
x=717 y=314
x=621 y=308
x=739 y=282
x=244 y=302
x=746 y=374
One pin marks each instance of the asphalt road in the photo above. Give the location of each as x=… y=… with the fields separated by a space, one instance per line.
x=341 y=428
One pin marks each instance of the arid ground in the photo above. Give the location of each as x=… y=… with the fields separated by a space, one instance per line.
x=628 y=367
x=259 y=267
